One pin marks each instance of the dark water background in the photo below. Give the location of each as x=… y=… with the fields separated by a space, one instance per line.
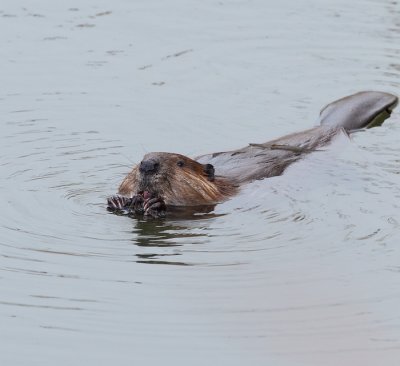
x=302 y=269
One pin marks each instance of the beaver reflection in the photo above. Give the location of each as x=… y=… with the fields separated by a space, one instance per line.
x=152 y=235
x=169 y=181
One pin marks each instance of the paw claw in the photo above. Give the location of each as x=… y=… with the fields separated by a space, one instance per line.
x=138 y=204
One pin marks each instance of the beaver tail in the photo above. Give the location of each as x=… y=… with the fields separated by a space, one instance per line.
x=361 y=110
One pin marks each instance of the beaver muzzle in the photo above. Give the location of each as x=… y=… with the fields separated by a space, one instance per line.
x=149 y=166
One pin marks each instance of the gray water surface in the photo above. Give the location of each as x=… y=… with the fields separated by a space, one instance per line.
x=302 y=269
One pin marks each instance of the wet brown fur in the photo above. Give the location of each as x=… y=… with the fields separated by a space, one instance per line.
x=186 y=185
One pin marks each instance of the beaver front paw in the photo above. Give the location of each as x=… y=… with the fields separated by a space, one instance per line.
x=154 y=207
x=142 y=203
x=118 y=203
x=126 y=205
x=136 y=205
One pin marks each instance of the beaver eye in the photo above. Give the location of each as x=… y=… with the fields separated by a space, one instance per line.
x=180 y=163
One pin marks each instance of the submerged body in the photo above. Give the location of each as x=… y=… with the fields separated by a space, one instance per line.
x=166 y=180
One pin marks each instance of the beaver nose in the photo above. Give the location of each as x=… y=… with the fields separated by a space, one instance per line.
x=149 y=166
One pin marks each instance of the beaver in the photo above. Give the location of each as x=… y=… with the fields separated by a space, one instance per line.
x=163 y=181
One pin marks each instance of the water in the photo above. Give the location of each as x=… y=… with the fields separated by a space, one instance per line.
x=301 y=269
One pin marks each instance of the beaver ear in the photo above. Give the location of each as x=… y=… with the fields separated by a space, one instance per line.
x=209 y=172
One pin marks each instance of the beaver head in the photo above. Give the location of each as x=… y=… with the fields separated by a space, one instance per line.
x=178 y=180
